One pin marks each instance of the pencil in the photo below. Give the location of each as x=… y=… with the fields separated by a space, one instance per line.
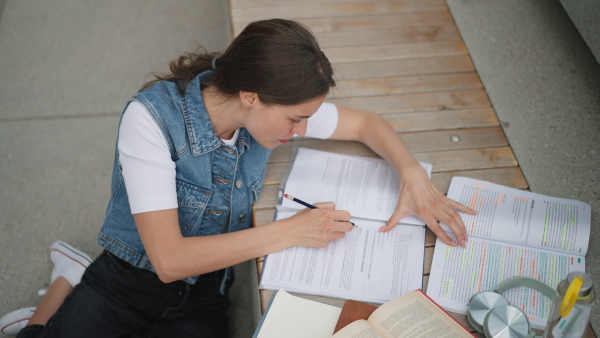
x=299 y=201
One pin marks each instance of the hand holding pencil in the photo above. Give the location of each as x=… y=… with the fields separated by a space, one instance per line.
x=308 y=205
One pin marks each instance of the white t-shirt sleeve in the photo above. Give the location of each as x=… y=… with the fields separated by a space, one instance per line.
x=148 y=170
x=323 y=123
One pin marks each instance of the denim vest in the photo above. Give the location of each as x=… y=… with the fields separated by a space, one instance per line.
x=209 y=174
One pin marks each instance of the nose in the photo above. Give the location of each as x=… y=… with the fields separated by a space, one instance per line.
x=300 y=128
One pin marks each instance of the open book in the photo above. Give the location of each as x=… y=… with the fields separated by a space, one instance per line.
x=366 y=264
x=411 y=315
x=514 y=233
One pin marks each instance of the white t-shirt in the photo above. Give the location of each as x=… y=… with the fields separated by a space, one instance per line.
x=146 y=163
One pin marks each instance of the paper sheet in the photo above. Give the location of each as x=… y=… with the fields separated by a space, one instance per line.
x=365 y=265
x=522 y=217
x=459 y=273
x=366 y=187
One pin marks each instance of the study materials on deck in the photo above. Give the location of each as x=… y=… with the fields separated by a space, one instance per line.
x=411 y=315
x=366 y=264
x=515 y=233
x=296 y=317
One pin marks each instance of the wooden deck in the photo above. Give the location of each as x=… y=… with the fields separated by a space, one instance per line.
x=404 y=59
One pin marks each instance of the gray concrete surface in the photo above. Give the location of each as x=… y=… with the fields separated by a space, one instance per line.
x=67 y=67
x=585 y=14
x=543 y=82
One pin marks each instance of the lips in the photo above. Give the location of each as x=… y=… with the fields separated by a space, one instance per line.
x=284 y=141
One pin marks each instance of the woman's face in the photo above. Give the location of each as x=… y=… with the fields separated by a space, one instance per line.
x=272 y=125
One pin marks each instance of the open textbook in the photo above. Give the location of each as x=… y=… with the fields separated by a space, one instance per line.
x=412 y=315
x=366 y=264
x=514 y=233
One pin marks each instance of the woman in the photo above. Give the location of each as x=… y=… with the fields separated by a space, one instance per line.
x=190 y=161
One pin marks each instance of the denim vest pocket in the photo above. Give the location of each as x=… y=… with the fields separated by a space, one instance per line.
x=192 y=201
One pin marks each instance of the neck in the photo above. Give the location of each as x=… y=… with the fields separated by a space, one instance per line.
x=224 y=112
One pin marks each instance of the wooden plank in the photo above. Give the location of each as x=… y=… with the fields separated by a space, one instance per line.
x=388 y=36
x=428 y=260
x=268 y=198
x=263 y=217
x=265 y=3
x=481 y=158
x=299 y=11
x=443 y=119
x=407 y=67
x=395 y=52
x=510 y=177
x=283 y=152
x=468 y=159
x=455 y=139
x=464 y=99
x=369 y=22
x=405 y=85
x=424 y=142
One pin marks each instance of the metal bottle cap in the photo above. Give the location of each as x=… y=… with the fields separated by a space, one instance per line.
x=506 y=321
x=586 y=288
x=480 y=305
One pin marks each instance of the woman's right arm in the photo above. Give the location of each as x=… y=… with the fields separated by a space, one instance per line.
x=175 y=257
x=149 y=175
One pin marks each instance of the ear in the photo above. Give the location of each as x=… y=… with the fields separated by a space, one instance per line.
x=249 y=99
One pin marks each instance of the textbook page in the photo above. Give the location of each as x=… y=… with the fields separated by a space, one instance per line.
x=295 y=317
x=522 y=217
x=411 y=315
x=365 y=265
x=366 y=187
x=459 y=273
x=358 y=328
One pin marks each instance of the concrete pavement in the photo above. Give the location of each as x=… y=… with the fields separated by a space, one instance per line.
x=544 y=84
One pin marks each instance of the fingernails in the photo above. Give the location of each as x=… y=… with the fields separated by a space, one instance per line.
x=453 y=243
x=382 y=228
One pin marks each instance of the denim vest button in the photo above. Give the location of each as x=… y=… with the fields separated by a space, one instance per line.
x=238 y=184
x=242 y=218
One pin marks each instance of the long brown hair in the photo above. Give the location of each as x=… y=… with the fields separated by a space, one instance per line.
x=278 y=59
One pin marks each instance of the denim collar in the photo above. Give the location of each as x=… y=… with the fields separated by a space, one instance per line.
x=197 y=123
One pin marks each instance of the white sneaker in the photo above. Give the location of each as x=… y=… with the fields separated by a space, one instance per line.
x=13 y=322
x=69 y=262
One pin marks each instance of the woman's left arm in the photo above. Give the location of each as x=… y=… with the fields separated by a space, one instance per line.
x=418 y=195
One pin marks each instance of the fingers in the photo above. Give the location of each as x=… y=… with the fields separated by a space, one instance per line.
x=391 y=223
x=453 y=220
x=438 y=231
x=461 y=208
x=325 y=205
x=318 y=227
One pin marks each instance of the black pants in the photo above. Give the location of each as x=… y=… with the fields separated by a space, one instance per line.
x=116 y=299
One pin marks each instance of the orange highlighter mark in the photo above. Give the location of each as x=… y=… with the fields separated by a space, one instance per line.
x=473 y=202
